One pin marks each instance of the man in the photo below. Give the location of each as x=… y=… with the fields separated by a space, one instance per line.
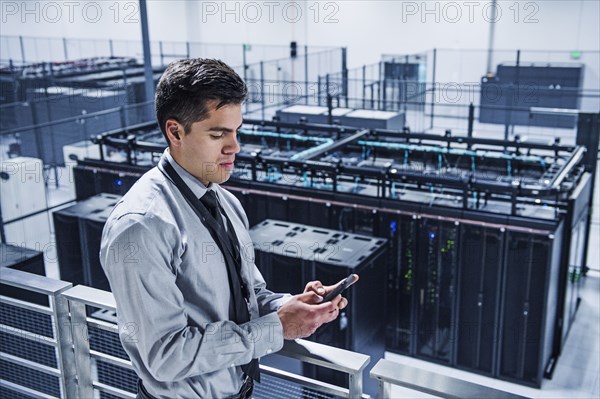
x=194 y=312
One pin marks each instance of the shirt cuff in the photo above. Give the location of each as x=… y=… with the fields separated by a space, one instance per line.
x=267 y=334
x=281 y=301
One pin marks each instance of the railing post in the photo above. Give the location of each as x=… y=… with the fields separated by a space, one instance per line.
x=81 y=344
x=355 y=385
x=384 y=389
x=66 y=357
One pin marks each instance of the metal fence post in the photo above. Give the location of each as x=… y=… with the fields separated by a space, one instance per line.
x=66 y=356
x=262 y=90
x=355 y=385
x=65 y=48
x=306 y=75
x=384 y=389
x=433 y=88
x=22 y=45
x=81 y=344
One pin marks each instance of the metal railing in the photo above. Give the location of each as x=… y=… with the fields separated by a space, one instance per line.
x=34 y=338
x=90 y=362
x=389 y=373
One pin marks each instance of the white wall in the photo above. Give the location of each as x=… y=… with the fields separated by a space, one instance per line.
x=367 y=28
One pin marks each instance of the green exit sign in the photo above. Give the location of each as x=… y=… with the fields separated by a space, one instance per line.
x=576 y=55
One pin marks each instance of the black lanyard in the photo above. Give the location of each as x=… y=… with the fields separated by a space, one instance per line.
x=226 y=241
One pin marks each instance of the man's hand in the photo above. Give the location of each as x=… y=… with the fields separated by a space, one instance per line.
x=317 y=287
x=304 y=313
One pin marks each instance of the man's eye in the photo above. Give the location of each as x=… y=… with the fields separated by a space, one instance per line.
x=216 y=136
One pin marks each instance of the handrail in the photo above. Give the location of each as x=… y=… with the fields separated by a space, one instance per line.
x=325 y=355
x=92 y=297
x=32 y=282
x=389 y=373
x=321 y=355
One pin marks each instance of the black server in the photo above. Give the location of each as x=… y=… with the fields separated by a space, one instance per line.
x=91 y=226
x=529 y=304
x=71 y=246
x=289 y=255
x=401 y=282
x=436 y=289
x=574 y=256
x=479 y=297
x=25 y=260
x=95 y=176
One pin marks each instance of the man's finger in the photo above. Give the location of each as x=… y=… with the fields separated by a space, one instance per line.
x=343 y=303
x=310 y=297
x=315 y=286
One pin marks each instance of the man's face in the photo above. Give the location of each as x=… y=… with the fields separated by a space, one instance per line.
x=208 y=150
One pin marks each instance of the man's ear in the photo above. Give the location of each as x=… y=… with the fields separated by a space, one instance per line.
x=174 y=131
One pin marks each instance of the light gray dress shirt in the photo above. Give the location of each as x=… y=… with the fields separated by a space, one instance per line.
x=170 y=283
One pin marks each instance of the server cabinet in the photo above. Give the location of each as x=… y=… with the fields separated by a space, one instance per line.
x=436 y=289
x=574 y=257
x=479 y=298
x=508 y=97
x=529 y=299
x=289 y=255
x=73 y=249
x=402 y=270
x=91 y=226
x=93 y=177
x=25 y=260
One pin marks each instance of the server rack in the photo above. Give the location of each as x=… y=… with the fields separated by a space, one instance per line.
x=480 y=268
x=301 y=253
x=507 y=97
x=436 y=290
x=78 y=230
x=573 y=255
x=90 y=228
x=26 y=260
x=530 y=284
x=403 y=236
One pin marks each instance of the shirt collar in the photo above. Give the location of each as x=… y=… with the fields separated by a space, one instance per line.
x=193 y=183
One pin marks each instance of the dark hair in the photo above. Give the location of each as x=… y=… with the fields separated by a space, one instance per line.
x=187 y=85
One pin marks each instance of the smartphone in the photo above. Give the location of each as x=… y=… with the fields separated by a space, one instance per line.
x=341 y=287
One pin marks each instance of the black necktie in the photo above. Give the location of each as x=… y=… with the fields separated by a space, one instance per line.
x=239 y=294
x=211 y=203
